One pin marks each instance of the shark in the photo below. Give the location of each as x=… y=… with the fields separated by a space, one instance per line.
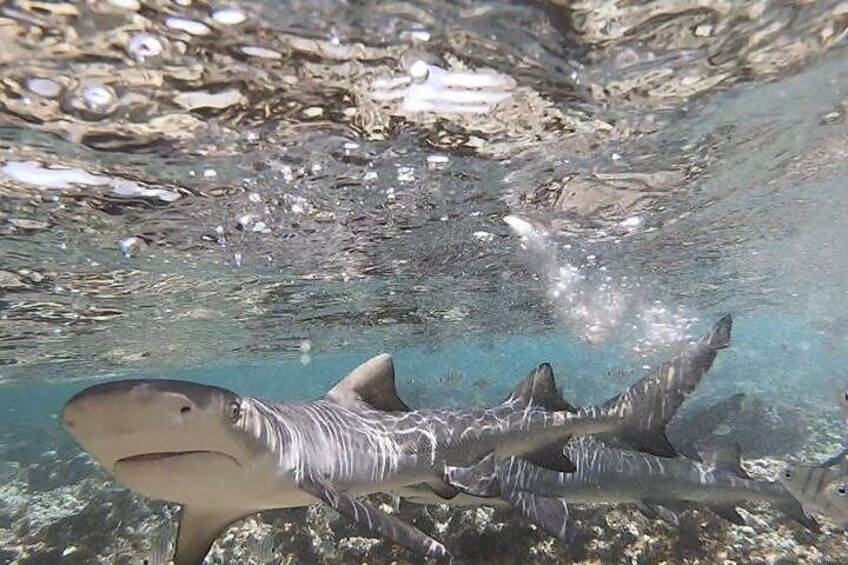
x=654 y=400
x=821 y=489
x=223 y=456
x=620 y=467
x=603 y=475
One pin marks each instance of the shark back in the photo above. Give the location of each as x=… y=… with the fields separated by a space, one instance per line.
x=605 y=475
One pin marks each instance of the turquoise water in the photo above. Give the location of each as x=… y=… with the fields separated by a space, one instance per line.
x=266 y=197
x=790 y=371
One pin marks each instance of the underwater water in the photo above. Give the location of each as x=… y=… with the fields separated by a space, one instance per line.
x=262 y=195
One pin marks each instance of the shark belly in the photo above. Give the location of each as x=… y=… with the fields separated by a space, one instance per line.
x=212 y=480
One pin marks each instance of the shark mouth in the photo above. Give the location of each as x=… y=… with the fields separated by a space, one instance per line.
x=147 y=457
x=169 y=455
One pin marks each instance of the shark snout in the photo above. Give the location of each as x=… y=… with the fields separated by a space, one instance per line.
x=125 y=419
x=124 y=409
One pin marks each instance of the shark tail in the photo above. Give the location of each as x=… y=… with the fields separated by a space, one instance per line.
x=701 y=424
x=646 y=408
x=719 y=336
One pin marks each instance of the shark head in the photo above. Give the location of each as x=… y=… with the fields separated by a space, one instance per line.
x=819 y=489
x=162 y=438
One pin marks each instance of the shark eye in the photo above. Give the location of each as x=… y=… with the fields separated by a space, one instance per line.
x=842 y=489
x=787 y=474
x=233 y=410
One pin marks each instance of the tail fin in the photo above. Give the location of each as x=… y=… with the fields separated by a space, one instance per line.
x=652 y=402
x=694 y=427
x=719 y=336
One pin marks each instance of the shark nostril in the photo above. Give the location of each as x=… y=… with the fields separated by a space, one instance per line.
x=185 y=409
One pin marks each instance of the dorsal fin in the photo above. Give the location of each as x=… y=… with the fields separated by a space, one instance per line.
x=373 y=383
x=727 y=458
x=539 y=389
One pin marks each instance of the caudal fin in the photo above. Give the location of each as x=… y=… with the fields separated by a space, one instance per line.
x=647 y=407
x=694 y=427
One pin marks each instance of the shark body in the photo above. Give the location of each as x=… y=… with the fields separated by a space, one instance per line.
x=605 y=474
x=224 y=456
x=822 y=490
x=628 y=470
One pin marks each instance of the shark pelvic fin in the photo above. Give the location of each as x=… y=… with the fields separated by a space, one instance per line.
x=728 y=512
x=727 y=458
x=654 y=444
x=372 y=518
x=442 y=489
x=794 y=510
x=539 y=389
x=658 y=511
x=549 y=514
x=693 y=427
x=479 y=479
x=373 y=383
x=198 y=529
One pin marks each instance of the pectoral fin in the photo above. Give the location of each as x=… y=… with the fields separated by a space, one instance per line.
x=373 y=519
x=658 y=511
x=839 y=460
x=549 y=514
x=794 y=510
x=198 y=529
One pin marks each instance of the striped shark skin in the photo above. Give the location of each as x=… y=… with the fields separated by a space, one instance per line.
x=823 y=488
x=223 y=456
x=654 y=400
x=658 y=485
x=651 y=475
x=820 y=489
